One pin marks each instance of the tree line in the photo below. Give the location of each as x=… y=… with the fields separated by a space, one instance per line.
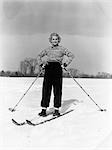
x=30 y=68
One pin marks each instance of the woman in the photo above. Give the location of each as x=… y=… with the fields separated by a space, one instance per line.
x=53 y=60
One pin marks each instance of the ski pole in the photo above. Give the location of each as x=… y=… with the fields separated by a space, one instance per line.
x=84 y=90
x=13 y=109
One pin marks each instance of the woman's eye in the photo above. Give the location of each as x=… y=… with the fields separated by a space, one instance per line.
x=54 y=39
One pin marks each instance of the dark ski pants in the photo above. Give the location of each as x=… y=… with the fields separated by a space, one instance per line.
x=52 y=78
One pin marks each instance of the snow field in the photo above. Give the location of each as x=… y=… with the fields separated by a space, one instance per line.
x=85 y=128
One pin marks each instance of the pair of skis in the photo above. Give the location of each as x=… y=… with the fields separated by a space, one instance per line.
x=31 y=122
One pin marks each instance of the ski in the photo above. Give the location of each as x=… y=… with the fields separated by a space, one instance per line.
x=17 y=123
x=30 y=122
x=25 y=122
x=53 y=117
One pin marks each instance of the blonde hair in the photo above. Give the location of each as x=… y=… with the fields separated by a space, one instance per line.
x=54 y=34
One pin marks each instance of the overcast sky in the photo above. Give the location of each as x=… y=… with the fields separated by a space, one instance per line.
x=84 y=25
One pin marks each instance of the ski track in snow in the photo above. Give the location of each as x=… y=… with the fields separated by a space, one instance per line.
x=85 y=128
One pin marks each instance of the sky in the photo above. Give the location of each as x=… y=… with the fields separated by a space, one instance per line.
x=84 y=26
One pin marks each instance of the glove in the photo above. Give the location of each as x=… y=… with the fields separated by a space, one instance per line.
x=64 y=65
x=42 y=65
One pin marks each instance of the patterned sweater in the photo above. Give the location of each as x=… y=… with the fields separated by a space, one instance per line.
x=55 y=54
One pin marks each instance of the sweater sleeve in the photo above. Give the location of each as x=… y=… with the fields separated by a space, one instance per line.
x=40 y=57
x=69 y=55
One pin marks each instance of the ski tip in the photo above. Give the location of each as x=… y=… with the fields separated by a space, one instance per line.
x=16 y=123
x=30 y=123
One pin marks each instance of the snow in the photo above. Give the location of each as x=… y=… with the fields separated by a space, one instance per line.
x=86 y=128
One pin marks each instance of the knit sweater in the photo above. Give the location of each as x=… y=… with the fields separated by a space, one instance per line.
x=55 y=54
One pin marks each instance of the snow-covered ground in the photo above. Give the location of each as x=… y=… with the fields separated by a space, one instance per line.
x=85 y=128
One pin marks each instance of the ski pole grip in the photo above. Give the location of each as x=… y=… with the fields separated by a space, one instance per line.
x=42 y=66
x=63 y=67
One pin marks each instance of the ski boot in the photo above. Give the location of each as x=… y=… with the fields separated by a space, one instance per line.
x=56 y=113
x=43 y=113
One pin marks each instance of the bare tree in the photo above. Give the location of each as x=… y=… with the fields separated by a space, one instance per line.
x=28 y=66
x=23 y=68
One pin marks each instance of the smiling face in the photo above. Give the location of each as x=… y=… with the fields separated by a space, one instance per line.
x=54 y=40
